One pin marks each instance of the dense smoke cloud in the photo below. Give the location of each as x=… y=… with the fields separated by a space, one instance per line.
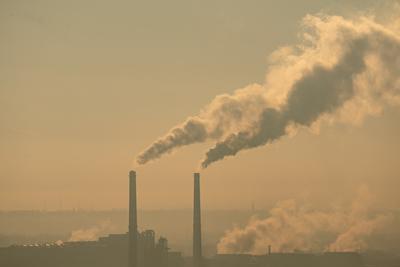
x=342 y=70
x=290 y=227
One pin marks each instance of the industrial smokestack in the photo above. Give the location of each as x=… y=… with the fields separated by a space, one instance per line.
x=133 y=233
x=197 y=256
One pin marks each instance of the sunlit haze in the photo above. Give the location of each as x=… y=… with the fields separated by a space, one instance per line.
x=86 y=86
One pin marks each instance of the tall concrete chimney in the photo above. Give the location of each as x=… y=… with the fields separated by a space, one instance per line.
x=197 y=256
x=133 y=232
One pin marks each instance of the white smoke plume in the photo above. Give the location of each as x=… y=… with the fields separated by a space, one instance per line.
x=290 y=227
x=92 y=233
x=341 y=70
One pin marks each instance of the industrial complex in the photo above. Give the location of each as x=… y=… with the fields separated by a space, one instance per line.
x=141 y=249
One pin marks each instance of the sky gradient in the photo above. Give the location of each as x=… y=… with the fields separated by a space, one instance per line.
x=87 y=85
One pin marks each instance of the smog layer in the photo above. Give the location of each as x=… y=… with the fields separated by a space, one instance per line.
x=291 y=226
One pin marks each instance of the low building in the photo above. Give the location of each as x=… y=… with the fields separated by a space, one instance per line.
x=108 y=251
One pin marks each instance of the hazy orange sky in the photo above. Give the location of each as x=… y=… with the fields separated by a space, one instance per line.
x=86 y=85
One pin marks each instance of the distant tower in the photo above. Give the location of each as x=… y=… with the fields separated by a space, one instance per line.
x=133 y=232
x=197 y=256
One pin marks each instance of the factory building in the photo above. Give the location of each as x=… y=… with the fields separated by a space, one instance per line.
x=142 y=249
x=132 y=249
x=107 y=251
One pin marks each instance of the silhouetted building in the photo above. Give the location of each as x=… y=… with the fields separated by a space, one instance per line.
x=150 y=252
x=132 y=249
x=108 y=251
x=136 y=249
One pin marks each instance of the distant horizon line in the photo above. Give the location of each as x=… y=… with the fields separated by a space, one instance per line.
x=126 y=209
x=152 y=209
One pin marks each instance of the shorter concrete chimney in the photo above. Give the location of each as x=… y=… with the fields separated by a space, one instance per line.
x=197 y=254
x=133 y=231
